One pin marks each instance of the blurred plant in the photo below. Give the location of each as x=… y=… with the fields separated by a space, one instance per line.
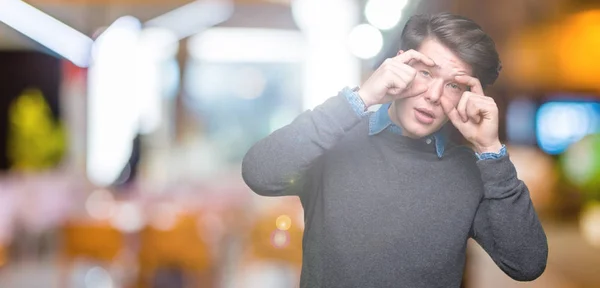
x=35 y=140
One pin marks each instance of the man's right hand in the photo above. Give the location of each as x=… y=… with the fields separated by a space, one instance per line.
x=394 y=79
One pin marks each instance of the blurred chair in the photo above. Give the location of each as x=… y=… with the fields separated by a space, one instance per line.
x=97 y=241
x=273 y=248
x=268 y=243
x=177 y=249
x=3 y=256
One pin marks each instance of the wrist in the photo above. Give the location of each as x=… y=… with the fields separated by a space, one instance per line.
x=493 y=148
x=365 y=98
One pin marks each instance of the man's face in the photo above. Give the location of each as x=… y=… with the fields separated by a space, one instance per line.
x=423 y=115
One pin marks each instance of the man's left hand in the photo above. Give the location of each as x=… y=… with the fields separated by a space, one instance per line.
x=475 y=116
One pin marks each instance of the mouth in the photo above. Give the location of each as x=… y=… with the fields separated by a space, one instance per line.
x=425 y=112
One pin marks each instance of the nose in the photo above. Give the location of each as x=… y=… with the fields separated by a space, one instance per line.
x=434 y=93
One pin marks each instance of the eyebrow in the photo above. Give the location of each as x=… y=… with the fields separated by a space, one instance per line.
x=438 y=67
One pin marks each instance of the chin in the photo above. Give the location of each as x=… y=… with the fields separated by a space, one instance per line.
x=414 y=129
x=413 y=125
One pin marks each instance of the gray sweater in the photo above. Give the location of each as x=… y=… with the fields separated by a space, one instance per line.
x=386 y=211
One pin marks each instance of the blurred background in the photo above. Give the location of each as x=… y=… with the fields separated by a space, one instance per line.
x=123 y=124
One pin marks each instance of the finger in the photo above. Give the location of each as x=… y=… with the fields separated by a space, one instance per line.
x=470 y=81
x=487 y=107
x=408 y=73
x=402 y=85
x=413 y=89
x=401 y=76
x=399 y=66
x=414 y=55
x=407 y=70
x=462 y=106
x=451 y=112
x=474 y=110
x=403 y=67
x=399 y=79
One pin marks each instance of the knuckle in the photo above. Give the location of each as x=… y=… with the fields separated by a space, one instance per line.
x=401 y=84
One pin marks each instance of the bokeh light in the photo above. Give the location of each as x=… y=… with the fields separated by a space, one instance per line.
x=128 y=217
x=384 y=14
x=322 y=15
x=590 y=224
x=280 y=239
x=560 y=124
x=581 y=37
x=165 y=216
x=252 y=83
x=538 y=171
x=98 y=277
x=581 y=164
x=365 y=41
x=520 y=121
x=100 y=205
x=283 y=222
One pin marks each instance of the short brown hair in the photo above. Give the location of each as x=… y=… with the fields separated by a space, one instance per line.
x=461 y=35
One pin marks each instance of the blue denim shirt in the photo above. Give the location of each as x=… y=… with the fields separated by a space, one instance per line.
x=380 y=121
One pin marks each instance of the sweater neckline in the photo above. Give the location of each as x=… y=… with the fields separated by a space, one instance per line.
x=424 y=144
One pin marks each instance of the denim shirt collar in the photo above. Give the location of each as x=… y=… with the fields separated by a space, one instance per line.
x=380 y=120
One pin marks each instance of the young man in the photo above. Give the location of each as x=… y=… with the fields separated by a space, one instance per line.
x=388 y=201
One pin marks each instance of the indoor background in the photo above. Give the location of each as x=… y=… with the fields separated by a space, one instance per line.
x=123 y=124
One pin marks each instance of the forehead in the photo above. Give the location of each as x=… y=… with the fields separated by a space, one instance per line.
x=445 y=59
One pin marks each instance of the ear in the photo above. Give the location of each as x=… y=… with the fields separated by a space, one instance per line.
x=400 y=52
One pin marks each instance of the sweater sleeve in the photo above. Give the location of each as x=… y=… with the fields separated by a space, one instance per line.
x=506 y=224
x=278 y=165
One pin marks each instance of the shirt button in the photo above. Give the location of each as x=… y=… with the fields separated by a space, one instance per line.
x=428 y=141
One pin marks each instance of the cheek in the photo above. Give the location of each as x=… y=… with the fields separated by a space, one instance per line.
x=455 y=99
x=443 y=119
x=401 y=110
x=405 y=104
x=452 y=98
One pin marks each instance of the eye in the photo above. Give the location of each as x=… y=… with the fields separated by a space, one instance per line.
x=455 y=86
x=425 y=73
